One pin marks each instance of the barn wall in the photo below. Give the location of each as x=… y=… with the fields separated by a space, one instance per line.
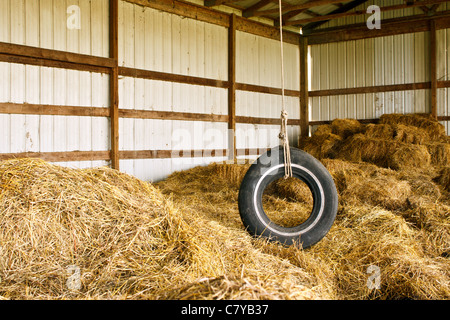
x=392 y=60
x=159 y=41
x=398 y=59
x=258 y=62
x=43 y=24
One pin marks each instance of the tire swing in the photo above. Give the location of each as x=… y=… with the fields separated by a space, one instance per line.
x=285 y=161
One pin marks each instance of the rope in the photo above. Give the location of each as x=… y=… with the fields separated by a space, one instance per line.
x=284 y=115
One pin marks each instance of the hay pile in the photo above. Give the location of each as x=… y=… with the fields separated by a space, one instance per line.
x=124 y=240
x=182 y=238
x=393 y=213
x=412 y=140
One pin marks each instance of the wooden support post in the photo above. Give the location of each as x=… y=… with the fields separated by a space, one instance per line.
x=232 y=88
x=433 y=69
x=304 y=96
x=114 y=81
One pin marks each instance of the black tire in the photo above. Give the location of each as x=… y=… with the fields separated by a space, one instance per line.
x=270 y=167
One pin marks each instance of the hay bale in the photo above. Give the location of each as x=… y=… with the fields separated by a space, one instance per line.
x=321 y=145
x=434 y=129
x=384 y=191
x=379 y=131
x=293 y=189
x=361 y=148
x=346 y=127
x=410 y=134
x=409 y=156
x=440 y=154
x=443 y=178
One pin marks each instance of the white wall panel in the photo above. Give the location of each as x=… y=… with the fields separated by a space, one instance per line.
x=43 y=23
x=159 y=41
x=370 y=62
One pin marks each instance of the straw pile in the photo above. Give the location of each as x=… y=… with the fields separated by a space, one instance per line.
x=182 y=238
x=124 y=240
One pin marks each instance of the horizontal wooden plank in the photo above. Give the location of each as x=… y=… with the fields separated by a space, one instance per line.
x=188 y=10
x=443 y=118
x=60 y=156
x=169 y=154
x=127 y=154
x=52 y=63
x=443 y=84
x=171 y=77
x=371 y=89
x=395 y=26
x=263 y=89
x=266 y=121
x=170 y=115
x=264 y=30
x=55 y=55
x=41 y=109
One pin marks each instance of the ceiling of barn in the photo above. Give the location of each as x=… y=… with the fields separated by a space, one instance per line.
x=311 y=14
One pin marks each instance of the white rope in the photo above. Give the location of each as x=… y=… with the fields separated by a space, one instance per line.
x=284 y=115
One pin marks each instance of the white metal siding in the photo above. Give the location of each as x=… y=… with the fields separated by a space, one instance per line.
x=158 y=41
x=43 y=24
x=258 y=62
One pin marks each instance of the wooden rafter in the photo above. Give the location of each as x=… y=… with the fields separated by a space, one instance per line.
x=341 y=10
x=212 y=3
x=250 y=11
x=306 y=5
x=362 y=12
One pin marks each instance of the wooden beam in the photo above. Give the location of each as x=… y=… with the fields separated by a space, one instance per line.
x=188 y=10
x=212 y=3
x=171 y=154
x=265 y=121
x=370 y=89
x=52 y=63
x=264 y=30
x=264 y=89
x=114 y=81
x=171 y=115
x=412 y=24
x=60 y=156
x=433 y=69
x=42 y=109
x=250 y=11
x=341 y=10
x=54 y=55
x=170 y=77
x=340 y=13
x=304 y=95
x=232 y=88
x=306 y=5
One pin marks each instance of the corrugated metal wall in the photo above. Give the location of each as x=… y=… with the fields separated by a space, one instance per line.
x=258 y=62
x=389 y=60
x=370 y=62
x=159 y=41
x=43 y=24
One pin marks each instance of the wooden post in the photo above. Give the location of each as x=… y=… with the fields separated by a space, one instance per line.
x=232 y=88
x=304 y=97
x=114 y=81
x=433 y=69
